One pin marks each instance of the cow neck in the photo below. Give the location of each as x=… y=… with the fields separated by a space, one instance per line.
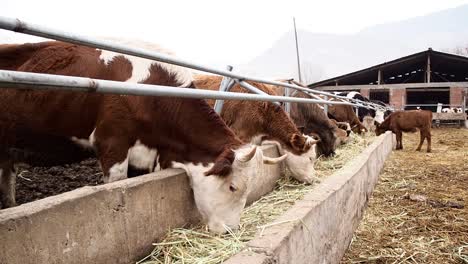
x=187 y=131
x=280 y=127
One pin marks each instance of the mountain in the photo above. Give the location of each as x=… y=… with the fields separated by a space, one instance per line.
x=327 y=55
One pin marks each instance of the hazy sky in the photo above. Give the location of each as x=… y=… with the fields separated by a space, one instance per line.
x=214 y=32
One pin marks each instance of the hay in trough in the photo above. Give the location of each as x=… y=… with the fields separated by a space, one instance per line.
x=197 y=245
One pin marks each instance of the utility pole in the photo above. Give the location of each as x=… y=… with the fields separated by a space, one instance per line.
x=297 y=52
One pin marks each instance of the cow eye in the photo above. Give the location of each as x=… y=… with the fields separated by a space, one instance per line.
x=232 y=188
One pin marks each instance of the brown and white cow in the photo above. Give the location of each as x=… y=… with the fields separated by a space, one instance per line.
x=408 y=121
x=342 y=130
x=345 y=113
x=143 y=132
x=312 y=120
x=257 y=121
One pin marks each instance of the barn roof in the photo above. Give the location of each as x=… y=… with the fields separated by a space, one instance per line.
x=445 y=67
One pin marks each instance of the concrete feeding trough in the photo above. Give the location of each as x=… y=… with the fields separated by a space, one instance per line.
x=118 y=222
x=319 y=228
x=111 y=223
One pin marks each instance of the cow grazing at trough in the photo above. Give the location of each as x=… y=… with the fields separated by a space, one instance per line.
x=342 y=130
x=311 y=118
x=345 y=113
x=127 y=131
x=408 y=121
x=256 y=121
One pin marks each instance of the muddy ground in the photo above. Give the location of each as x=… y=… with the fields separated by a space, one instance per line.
x=35 y=183
x=419 y=210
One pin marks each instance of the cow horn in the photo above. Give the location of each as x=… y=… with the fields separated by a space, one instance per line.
x=276 y=143
x=247 y=157
x=268 y=160
x=311 y=141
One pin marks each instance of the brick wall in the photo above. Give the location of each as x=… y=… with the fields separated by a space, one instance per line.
x=365 y=92
x=456 y=95
x=398 y=97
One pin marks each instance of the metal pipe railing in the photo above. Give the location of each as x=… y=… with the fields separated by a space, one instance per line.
x=20 y=26
x=27 y=80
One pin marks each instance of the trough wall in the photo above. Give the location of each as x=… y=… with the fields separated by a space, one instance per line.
x=319 y=228
x=111 y=223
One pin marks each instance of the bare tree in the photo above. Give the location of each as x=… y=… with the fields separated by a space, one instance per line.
x=459 y=50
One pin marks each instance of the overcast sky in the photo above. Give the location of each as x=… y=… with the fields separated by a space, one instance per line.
x=215 y=32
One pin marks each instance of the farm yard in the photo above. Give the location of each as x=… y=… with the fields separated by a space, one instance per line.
x=418 y=212
x=113 y=149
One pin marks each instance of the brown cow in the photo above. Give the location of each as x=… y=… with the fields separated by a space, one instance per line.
x=256 y=121
x=127 y=130
x=345 y=113
x=313 y=119
x=408 y=121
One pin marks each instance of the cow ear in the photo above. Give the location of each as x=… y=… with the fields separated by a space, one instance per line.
x=297 y=142
x=223 y=164
x=220 y=168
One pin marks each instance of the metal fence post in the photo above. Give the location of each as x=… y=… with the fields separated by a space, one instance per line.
x=225 y=86
x=325 y=106
x=287 y=106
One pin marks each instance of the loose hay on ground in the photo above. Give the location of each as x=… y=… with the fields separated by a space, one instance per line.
x=418 y=212
x=196 y=245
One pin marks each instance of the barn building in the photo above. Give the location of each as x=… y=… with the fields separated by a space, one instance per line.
x=422 y=79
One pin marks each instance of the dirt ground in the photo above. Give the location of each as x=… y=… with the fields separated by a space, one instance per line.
x=419 y=210
x=35 y=183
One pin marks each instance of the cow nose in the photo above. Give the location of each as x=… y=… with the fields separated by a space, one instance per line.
x=221 y=228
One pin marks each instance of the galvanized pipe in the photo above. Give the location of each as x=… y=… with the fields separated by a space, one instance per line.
x=225 y=86
x=17 y=25
x=252 y=88
x=27 y=80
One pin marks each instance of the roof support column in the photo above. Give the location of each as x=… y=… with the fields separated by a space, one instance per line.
x=428 y=68
x=379 y=77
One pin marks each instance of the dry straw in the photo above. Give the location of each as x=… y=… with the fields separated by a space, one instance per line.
x=197 y=245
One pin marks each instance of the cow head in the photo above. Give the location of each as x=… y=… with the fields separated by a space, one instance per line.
x=359 y=128
x=300 y=163
x=220 y=197
x=326 y=145
x=342 y=136
x=379 y=129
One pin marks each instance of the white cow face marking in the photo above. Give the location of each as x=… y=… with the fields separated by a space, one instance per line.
x=220 y=199
x=379 y=116
x=301 y=166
